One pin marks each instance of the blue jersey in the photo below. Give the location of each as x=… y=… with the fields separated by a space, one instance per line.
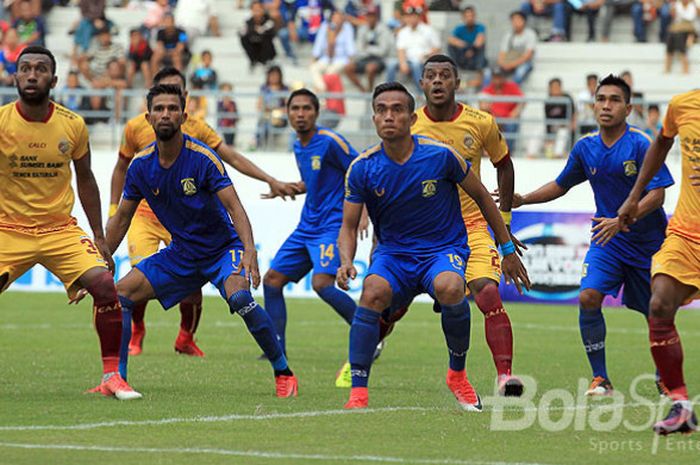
x=612 y=171
x=414 y=207
x=183 y=197
x=322 y=164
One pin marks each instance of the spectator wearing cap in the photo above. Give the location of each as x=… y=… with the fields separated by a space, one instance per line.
x=517 y=50
x=374 y=43
x=506 y=113
x=172 y=46
x=467 y=42
x=333 y=48
x=415 y=42
x=400 y=7
x=557 y=9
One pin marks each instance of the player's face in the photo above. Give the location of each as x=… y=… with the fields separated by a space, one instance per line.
x=34 y=78
x=166 y=116
x=610 y=108
x=439 y=83
x=302 y=113
x=393 y=117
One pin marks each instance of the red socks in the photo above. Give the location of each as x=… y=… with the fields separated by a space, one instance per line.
x=668 y=355
x=107 y=314
x=499 y=334
x=190 y=312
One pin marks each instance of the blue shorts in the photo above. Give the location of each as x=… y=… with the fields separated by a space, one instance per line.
x=606 y=273
x=304 y=251
x=411 y=275
x=174 y=277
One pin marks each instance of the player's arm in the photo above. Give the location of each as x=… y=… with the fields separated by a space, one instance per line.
x=244 y=165
x=654 y=159
x=550 y=191
x=117 y=185
x=89 y=195
x=118 y=223
x=606 y=228
x=506 y=185
x=513 y=268
x=241 y=223
x=347 y=242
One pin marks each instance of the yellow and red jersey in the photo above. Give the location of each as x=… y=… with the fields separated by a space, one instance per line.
x=35 y=172
x=138 y=133
x=683 y=119
x=471 y=133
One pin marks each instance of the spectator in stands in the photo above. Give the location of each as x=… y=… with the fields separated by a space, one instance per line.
x=15 y=7
x=333 y=48
x=517 y=50
x=589 y=8
x=271 y=106
x=228 y=108
x=584 y=102
x=560 y=125
x=197 y=17
x=304 y=18
x=172 y=46
x=653 y=126
x=139 y=58
x=356 y=11
x=400 y=6
x=114 y=78
x=507 y=114
x=30 y=26
x=11 y=48
x=636 y=116
x=204 y=75
x=642 y=12
x=467 y=44
x=374 y=43
x=557 y=9
x=257 y=36
x=681 y=33
x=155 y=15
x=92 y=19
x=72 y=101
x=415 y=42
x=93 y=64
x=96 y=103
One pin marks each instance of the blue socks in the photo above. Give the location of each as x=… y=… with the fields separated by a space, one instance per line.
x=364 y=337
x=260 y=326
x=127 y=307
x=277 y=309
x=592 y=325
x=340 y=301
x=456 y=325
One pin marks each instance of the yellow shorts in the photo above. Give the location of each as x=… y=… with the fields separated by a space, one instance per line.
x=679 y=258
x=484 y=260
x=67 y=253
x=144 y=238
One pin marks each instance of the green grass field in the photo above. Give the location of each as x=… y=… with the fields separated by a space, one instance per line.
x=223 y=410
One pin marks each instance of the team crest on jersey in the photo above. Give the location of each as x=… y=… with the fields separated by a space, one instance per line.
x=316 y=162
x=63 y=146
x=630 y=167
x=188 y=186
x=468 y=141
x=429 y=188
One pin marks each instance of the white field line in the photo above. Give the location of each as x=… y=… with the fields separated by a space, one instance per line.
x=308 y=414
x=257 y=454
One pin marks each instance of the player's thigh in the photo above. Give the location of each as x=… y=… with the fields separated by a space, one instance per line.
x=144 y=238
x=679 y=258
x=292 y=259
x=17 y=255
x=390 y=282
x=323 y=252
x=442 y=275
x=225 y=272
x=636 y=292
x=484 y=262
x=135 y=287
x=602 y=271
x=171 y=277
x=69 y=254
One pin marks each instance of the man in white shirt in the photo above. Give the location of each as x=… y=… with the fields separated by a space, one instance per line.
x=197 y=17
x=415 y=42
x=333 y=47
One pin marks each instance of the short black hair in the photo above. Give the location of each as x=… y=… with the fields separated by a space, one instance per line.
x=518 y=13
x=654 y=106
x=167 y=72
x=468 y=8
x=307 y=93
x=39 y=50
x=555 y=79
x=617 y=81
x=391 y=86
x=164 y=89
x=591 y=76
x=439 y=58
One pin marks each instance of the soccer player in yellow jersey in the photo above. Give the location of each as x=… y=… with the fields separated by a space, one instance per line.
x=675 y=269
x=39 y=141
x=146 y=233
x=472 y=133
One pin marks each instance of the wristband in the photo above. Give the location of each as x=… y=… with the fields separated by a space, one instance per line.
x=507 y=217
x=507 y=248
x=113 y=209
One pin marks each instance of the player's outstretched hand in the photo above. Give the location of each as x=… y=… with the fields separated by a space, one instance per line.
x=517 y=199
x=102 y=247
x=249 y=263
x=627 y=214
x=604 y=230
x=695 y=178
x=79 y=295
x=282 y=189
x=344 y=274
x=515 y=272
x=363 y=227
x=519 y=246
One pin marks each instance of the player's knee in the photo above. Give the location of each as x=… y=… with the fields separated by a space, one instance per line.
x=376 y=298
x=590 y=300
x=102 y=288
x=322 y=281
x=449 y=291
x=661 y=306
x=273 y=279
x=194 y=298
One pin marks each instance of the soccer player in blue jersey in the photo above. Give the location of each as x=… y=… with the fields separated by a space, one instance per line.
x=610 y=159
x=186 y=185
x=409 y=185
x=322 y=156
